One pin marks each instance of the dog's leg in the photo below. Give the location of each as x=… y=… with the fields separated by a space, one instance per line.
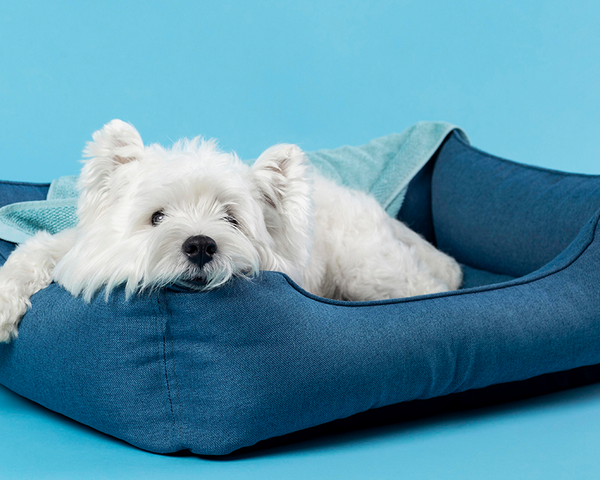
x=391 y=270
x=402 y=264
x=368 y=255
x=441 y=266
x=27 y=271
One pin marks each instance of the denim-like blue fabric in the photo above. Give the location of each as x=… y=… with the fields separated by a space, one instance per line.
x=216 y=371
x=502 y=216
x=13 y=192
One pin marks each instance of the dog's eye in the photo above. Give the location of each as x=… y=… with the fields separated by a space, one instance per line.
x=157 y=217
x=231 y=218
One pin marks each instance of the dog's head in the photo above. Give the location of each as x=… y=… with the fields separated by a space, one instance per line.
x=151 y=216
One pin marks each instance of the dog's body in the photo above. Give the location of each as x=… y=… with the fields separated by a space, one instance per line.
x=149 y=217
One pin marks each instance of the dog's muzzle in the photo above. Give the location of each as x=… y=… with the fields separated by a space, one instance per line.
x=199 y=249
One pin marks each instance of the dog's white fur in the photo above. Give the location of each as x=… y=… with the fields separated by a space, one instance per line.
x=276 y=215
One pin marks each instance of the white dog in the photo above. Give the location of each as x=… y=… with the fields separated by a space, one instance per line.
x=150 y=216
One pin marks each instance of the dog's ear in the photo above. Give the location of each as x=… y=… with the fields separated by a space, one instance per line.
x=284 y=187
x=280 y=173
x=115 y=144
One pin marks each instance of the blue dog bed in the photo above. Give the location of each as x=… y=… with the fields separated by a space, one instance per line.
x=217 y=371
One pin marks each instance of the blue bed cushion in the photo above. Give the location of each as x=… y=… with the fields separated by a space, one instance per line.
x=217 y=371
x=503 y=217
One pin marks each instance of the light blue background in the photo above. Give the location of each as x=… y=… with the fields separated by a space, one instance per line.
x=520 y=77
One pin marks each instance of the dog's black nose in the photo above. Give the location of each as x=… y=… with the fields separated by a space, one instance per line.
x=199 y=249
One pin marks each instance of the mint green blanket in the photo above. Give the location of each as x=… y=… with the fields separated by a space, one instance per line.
x=384 y=167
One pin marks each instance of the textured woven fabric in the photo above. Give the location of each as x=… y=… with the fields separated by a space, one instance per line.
x=216 y=371
x=57 y=212
x=385 y=166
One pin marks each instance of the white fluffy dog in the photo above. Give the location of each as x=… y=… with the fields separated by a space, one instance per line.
x=191 y=214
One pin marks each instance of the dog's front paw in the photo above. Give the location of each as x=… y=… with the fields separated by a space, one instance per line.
x=12 y=310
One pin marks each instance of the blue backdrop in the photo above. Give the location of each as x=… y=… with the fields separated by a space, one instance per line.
x=520 y=77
